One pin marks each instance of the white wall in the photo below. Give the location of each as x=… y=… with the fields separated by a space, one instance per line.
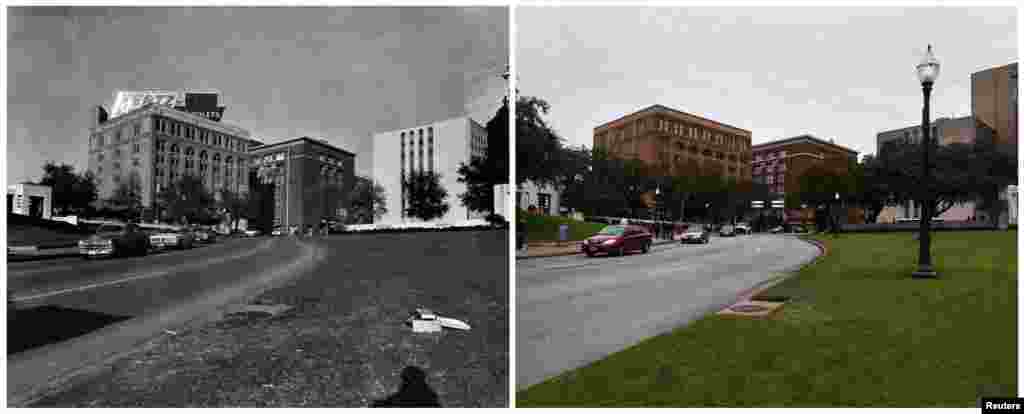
x=451 y=147
x=22 y=198
x=530 y=196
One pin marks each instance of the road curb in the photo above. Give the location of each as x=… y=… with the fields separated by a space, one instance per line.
x=575 y=252
x=746 y=295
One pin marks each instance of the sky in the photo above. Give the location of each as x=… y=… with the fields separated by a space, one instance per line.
x=836 y=73
x=335 y=73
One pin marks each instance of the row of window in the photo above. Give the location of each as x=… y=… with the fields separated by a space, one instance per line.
x=201 y=135
x=675 y=128
x=118 y=135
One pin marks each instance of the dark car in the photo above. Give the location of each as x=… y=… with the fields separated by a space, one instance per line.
x=113 y=240
x=617 y=240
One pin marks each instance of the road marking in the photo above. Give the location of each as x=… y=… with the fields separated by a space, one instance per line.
x=139 y=277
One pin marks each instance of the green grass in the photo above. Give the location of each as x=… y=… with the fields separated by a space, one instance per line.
x=545 y=228
x=860 y=332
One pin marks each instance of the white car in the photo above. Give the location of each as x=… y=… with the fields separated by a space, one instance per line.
x=181 y=239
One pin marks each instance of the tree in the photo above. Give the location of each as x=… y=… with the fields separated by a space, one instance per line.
x=72 y=193
x=186 y=200
x=574 y=166
x=537 y=144
x=366 y=203
x=236 y=205
x=425 y=195
x=479 y=195
x=961 y=173
x=126 y=202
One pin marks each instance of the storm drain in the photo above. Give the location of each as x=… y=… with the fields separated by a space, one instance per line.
x=753 y=308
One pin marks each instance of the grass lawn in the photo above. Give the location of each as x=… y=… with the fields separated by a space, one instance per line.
x=545 y=228
x=860 y=332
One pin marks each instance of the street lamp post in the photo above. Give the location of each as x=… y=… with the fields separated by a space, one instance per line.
x=927 y=73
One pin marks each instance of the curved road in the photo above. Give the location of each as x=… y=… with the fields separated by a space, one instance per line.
x=573 y=310
x=152 y=293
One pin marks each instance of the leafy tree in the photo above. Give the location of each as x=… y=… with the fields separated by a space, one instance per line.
x=72 y=193
x=187 y=201
x=537 y=144
x=574 y=166
x=426 y=195
x=961 y=173
x=126 y=202
x=366 y=202
x=479 y=195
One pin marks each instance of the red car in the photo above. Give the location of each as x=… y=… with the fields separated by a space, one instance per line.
x=617 y=240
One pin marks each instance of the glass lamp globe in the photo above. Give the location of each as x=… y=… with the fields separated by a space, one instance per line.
x=928 y=69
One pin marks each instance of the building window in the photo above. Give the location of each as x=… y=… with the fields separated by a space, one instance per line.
x=135 y=148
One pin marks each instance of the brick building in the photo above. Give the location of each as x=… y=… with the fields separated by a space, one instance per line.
x=780 y=164
x=302 y=181
x=681 y=143
x=153 y=144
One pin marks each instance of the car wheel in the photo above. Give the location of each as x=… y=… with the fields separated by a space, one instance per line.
x=621 y=251
x=588 y=253
x=647 y=247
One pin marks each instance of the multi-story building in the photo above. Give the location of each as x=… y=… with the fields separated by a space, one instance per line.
x=680 y=143
x=29 y=199
x=155 y=144
x=947 y=131
x=437 y=147
x=780 y=164
x=307 y=179
x=994 y=101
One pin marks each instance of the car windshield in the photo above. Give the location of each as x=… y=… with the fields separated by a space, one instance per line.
x=106 y=229
x=613 y=231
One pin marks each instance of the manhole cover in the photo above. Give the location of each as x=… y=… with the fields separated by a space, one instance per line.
x=748 y=308
x=259 y=311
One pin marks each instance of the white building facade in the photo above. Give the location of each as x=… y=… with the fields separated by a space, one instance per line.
x=438 y=147
x=30 y=200
x=545 y=199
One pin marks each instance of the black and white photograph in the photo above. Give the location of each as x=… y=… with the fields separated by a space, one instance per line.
x=766 y=207
x=257 y=206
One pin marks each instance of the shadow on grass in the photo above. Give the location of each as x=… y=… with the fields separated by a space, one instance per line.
x=35 y=327
x=414 y=392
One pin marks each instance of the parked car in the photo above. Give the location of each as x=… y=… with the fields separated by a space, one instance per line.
x=172 y=239
x=617 y=240
x=696 y=235
x=112 y=240
x=277 y=231
x=742 y=228
x=252 y=233
x=204 y=235
x=776 y=230
x=727 y=231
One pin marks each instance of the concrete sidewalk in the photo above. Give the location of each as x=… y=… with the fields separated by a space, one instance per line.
x=551 y=249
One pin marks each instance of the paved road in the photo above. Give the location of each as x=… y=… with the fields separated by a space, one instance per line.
x=575 y=310
x=348 y=312
x=153 y=292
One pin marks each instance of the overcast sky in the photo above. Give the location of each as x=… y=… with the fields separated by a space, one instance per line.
x=835 y=73
x=335 y=73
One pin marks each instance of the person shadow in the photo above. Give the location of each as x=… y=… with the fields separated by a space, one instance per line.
x=414 y=392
